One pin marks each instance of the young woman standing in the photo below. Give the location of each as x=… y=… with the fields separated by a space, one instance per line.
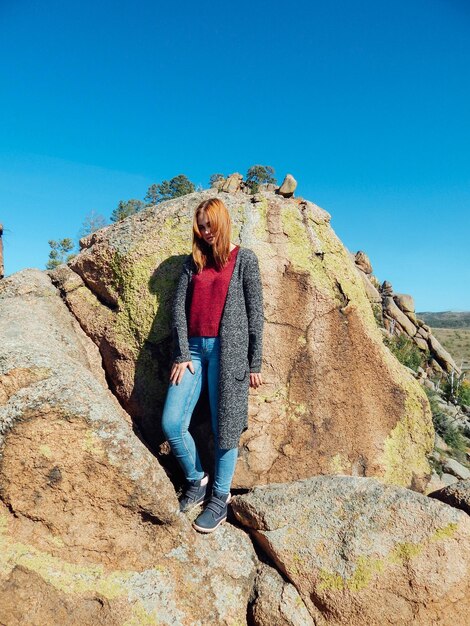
x=217 y=339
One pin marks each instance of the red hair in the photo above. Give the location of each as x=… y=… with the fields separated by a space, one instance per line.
x=221 y=226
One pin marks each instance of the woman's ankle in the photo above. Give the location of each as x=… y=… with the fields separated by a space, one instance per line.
x=203 y=479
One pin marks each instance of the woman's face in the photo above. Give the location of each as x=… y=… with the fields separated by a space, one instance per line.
x=205 y=228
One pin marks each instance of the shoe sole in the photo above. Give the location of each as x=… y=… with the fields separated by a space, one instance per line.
x=208 y=530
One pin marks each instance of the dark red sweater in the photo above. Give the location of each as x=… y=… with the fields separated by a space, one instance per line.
x=208 y=295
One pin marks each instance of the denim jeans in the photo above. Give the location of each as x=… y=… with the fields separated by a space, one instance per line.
x=179 y=406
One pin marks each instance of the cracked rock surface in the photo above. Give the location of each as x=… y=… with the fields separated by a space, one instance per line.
x=90 y=531
x=359 y=552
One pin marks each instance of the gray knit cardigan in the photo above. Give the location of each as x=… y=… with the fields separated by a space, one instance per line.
x=240 y=335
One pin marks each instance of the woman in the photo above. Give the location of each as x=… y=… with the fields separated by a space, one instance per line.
x=217 y=336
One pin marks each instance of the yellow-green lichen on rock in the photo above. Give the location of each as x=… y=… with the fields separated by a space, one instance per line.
x=141 y=289
x=93 y=444
x=369 y=566
x=446 y=532
x=260 y=211
x=300 y=250
x=64 y=576
x=366 y=569
x=150 y=596
x=329 y=266
x=339 y=464
x=406 y=447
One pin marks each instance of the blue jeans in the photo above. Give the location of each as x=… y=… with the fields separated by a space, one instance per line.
x=179 y=406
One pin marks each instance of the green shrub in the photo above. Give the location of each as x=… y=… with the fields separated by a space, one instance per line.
x=258 y=175
x=406 y=351
x=439 y=418
x=456 y=389
x=436 y=465
x=377 y=310
x=452 y=435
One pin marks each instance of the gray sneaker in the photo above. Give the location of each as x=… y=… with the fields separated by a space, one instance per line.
x=197 y=492
x=214 y=514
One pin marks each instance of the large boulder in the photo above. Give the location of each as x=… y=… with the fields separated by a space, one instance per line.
x=457 y=469
x=363 y=553
x=457 y=494
x=443 y=357
x=390 y=307
x=334 y=399
x=363 y=262
x=90 y=531
x=372 y=292
x=288 y=186
x=405 y=302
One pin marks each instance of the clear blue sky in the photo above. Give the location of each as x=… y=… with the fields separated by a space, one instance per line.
x=366 y=103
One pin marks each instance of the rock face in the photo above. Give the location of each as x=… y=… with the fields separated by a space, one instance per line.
x=90 y=531
x=362 y=553
x=89 y=528
x=335 y=400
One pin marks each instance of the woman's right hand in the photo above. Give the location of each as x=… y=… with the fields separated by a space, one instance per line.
x=177 y=371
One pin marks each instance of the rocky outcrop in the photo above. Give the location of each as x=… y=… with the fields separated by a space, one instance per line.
x=362 y=553
x=395 y=313
x=398 y=317
x=334 y=400
x=90 y=531
x=457 y=495
x=363 y=262
x=232 y=184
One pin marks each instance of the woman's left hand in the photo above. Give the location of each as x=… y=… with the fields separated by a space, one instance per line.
x=255 y=380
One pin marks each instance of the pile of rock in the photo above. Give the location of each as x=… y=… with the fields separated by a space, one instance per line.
x=398 y=316
x=235 y=183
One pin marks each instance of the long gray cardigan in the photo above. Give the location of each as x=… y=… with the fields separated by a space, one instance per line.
x=240 y=335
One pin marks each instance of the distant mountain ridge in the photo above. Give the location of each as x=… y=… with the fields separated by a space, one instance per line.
x=446 y=319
